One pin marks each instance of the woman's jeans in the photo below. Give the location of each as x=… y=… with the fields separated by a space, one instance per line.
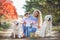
x=27 y=30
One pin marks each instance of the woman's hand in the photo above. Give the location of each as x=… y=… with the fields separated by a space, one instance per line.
x=38 y=27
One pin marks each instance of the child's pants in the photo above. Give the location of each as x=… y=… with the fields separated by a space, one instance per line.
x=29 y=30
x=24 y=29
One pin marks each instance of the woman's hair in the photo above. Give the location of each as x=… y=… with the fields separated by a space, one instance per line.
x=39 y=16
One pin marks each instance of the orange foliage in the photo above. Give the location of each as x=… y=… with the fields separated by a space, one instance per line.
x=8 y=10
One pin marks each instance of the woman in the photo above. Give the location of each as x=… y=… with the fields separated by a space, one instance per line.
x=35 y=22
x=37 y=14
x=36 y=19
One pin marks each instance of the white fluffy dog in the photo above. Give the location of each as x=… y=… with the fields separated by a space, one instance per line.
x=46 y=28
x=17 y=29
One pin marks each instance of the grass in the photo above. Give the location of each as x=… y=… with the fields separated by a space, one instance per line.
x=56 y=28
x=5 y=26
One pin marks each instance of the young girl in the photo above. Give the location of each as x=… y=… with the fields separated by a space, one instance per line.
x=26 y=20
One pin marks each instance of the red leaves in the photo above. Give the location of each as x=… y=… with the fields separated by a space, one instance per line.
x=8 y=10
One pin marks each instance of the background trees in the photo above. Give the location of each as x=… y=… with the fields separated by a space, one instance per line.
x=46 y=7
x=7 y=12
x=8 y=9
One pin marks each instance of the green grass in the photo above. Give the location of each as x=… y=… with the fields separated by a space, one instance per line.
x=57 y=28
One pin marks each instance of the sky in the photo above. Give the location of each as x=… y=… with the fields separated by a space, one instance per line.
x=19 y=6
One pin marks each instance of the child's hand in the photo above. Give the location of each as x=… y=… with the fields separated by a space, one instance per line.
x=24 y=23
x=31 y=25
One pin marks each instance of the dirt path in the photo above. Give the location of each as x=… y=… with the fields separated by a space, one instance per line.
x=55 y=36
x=5 y=35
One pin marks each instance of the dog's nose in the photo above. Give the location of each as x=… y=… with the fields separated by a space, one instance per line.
x=49 y=18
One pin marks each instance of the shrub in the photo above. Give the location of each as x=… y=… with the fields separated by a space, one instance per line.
x=56 y=29
x=5 y=26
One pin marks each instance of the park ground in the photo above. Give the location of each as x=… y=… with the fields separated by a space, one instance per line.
x=5 y=35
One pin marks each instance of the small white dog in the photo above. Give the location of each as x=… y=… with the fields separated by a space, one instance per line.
x=46 y=28
x=17 y=29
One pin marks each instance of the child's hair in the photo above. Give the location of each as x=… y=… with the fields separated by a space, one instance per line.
x=26 y=13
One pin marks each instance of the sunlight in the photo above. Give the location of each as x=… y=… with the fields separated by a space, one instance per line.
x=18 y=5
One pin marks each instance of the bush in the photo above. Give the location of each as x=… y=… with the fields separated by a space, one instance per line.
x=5 y=26
x=56 y=29
x=1 y=28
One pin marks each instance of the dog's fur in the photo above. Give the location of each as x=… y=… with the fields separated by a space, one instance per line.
x=46 y=28
x=17 y=29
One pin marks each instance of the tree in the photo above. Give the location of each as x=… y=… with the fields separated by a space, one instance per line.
x=7 y=9
x=46 y=7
